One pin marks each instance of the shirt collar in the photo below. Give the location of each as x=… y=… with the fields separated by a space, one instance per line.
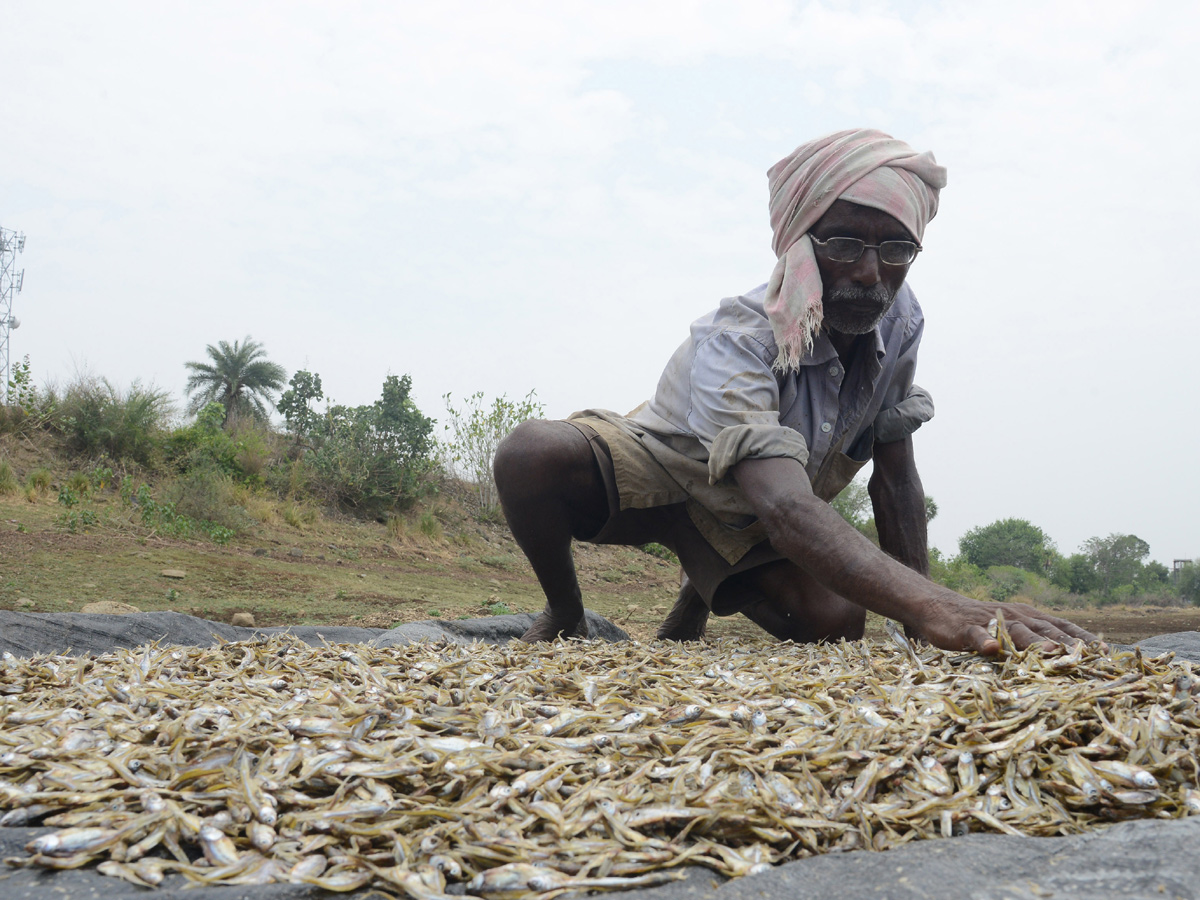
x=823 y=351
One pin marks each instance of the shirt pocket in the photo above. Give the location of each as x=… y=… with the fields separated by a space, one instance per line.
x=838 y=469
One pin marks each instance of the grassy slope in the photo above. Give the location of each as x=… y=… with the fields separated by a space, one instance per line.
x=343 y=571
x=336 y=571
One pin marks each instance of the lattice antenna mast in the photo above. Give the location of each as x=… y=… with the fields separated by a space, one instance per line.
x=11 y=280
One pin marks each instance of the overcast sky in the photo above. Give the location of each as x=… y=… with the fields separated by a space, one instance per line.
x=510 y=196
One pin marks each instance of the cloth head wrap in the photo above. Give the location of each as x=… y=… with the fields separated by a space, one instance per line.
x=862 y=166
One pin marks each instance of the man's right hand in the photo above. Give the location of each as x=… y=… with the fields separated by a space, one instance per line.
x=954 y=622
x=811 y=534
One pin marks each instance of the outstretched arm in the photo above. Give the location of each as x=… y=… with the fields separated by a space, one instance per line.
x=811 y=534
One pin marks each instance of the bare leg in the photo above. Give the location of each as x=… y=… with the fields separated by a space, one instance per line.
x=688 y=617
x=551 y=490
x=796 y=607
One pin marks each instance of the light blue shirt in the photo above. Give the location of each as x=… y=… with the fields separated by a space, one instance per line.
x=719 y=400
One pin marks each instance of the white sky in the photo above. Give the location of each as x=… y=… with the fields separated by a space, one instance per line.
x=506 y=196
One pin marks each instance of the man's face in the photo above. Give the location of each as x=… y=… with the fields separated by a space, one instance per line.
x=857 y=295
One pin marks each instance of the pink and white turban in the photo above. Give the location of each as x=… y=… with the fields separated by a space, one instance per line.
x=862 y=166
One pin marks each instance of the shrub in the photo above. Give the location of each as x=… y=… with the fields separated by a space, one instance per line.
x=206 y=495
x=373 y=459
x=660 y=551
x=98 y=419
x=243 y=453
x=80 y=484
x=258 y=505
x=251 y=453
x=76 y=517
x=8 y=479
x=475 y=433
x=299 y=515
x=39 y=480
x=430 y=526
x=161 y=517
x=954 y=572
x=28 y=408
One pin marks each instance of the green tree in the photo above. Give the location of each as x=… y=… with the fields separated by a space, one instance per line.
x=854 y=505
x=305 y=388
x=1074 y=573
x=1117 y=560
x=1188 y=583
x=1153 y=577
x=1007 y=542
x=239 y=377
x=475 y=431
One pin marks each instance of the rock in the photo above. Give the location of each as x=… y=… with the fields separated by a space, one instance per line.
x=24 y=603
x=242 y=620
x=261 y=551
x=173 y=573
x=296 y=552
x=109 y=608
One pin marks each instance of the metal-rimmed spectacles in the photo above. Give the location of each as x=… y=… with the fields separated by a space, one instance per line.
x=850 y=250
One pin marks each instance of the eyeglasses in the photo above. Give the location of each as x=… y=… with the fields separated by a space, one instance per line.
x=850 y=250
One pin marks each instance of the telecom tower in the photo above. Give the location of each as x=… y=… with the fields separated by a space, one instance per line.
x=11 y=243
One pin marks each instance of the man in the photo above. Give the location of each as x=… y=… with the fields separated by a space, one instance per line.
x=761 y=417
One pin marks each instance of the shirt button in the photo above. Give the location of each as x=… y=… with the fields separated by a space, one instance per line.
x=826 y=427
x=833 y=372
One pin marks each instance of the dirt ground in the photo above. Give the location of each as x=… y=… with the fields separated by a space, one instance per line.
x=341 y=571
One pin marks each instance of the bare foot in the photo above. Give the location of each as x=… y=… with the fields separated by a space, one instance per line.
x=547 y=627
x=687 y=619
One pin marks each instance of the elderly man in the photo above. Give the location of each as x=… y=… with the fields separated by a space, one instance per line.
x=767 y=410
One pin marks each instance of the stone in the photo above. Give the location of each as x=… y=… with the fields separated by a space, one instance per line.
x=296 y=552
x=173 y=573
x=242 y=620
x=109 y=608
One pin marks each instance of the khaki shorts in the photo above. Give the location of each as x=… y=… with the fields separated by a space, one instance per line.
x=648 y=504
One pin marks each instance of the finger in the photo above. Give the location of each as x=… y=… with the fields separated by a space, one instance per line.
x=1080 y=634
x=1024 y=636
x=1069 y=628
x=1067 y=632
x=981 y=642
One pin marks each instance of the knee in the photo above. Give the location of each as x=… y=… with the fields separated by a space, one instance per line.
x=514 y=451
x=537 y=452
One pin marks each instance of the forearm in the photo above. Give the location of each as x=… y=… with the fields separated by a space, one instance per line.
x=898 y=500
x=811 y=534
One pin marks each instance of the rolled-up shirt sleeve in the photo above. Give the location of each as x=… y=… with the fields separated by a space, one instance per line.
x=734 y=404
x=906 y=406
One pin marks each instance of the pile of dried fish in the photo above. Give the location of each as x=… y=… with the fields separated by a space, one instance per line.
x=529 y=770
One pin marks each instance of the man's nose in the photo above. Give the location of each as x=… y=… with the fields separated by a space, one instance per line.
x=867 y=270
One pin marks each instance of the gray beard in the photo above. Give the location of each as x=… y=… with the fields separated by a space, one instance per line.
x=839 y=316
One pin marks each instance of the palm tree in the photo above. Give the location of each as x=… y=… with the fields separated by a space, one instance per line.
x=240 y=378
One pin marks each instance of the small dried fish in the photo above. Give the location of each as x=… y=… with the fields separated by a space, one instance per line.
x=519 y=771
